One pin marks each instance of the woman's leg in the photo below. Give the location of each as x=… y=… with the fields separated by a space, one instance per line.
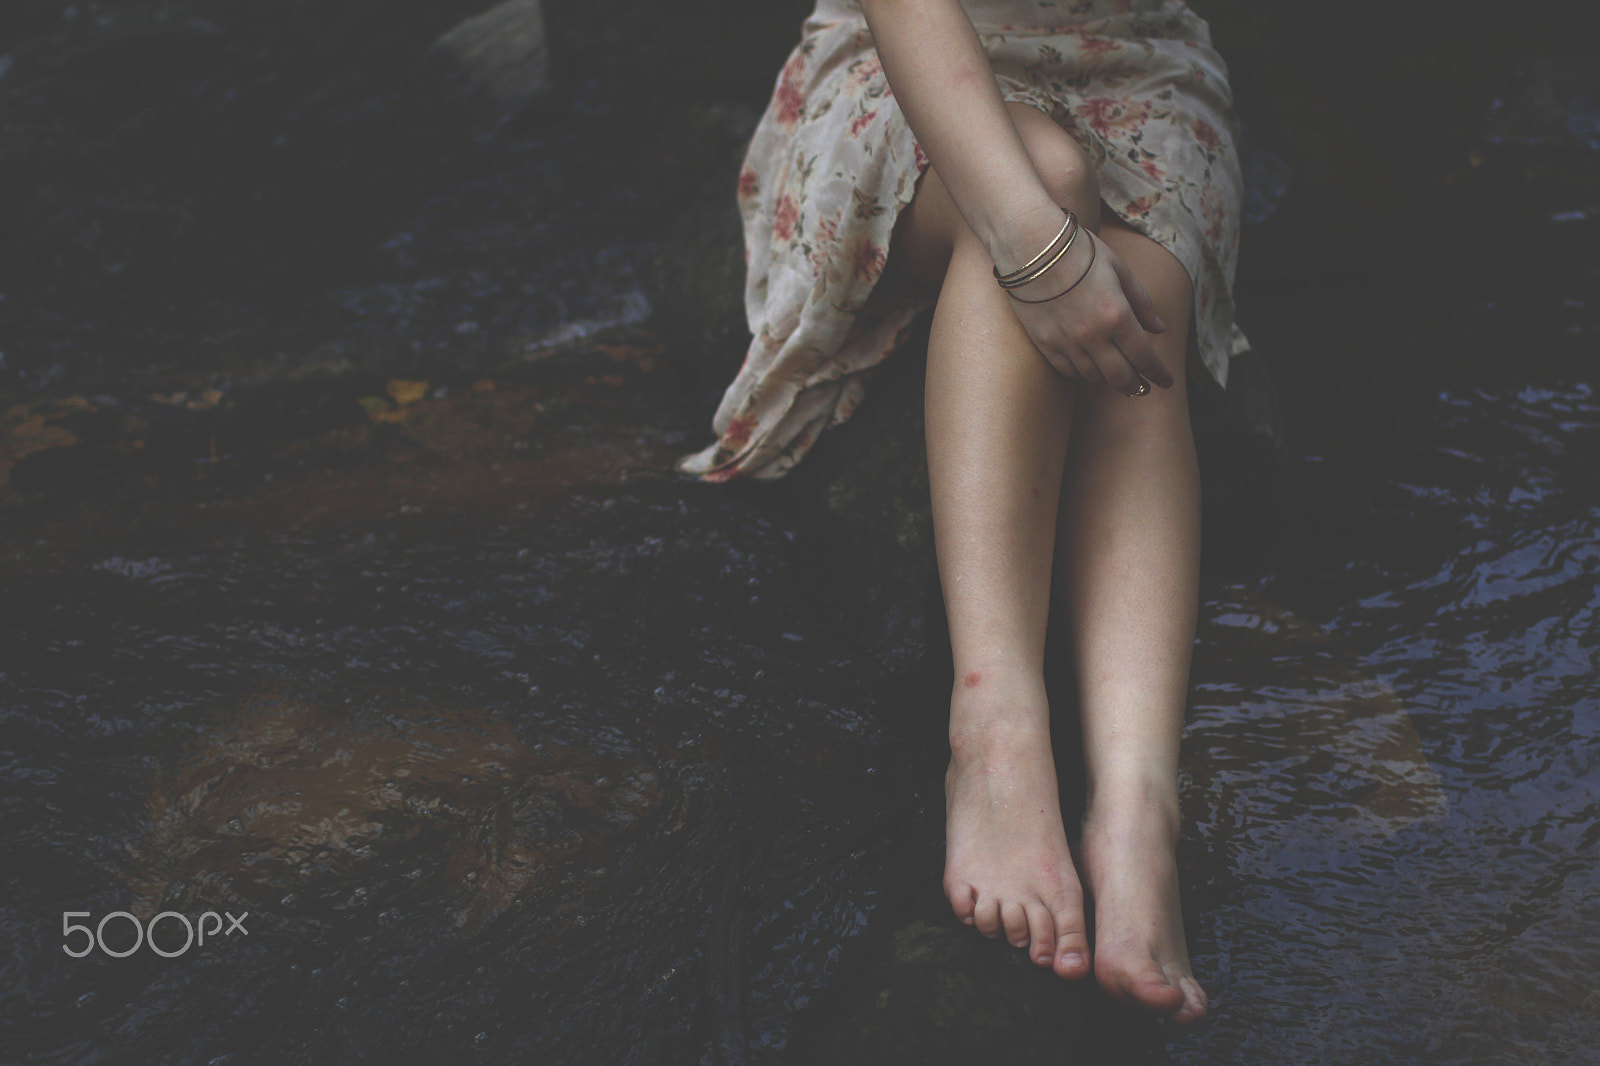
x=1129 y=560
x=997 y=424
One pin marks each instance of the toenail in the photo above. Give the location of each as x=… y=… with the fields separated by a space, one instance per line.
x=1072 y=959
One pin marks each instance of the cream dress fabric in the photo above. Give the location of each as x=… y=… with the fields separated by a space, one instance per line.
x=832 y=163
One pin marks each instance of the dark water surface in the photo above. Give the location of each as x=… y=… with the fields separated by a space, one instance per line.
x=483 y=782
x=516 y=749
x=1396 y=781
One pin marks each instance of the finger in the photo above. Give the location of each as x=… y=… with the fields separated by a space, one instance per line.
x=1070 y=362
x=1140 y=353
x=1060 y=364
x=1144 y=307
x=1084 y=364
x=1119 y=373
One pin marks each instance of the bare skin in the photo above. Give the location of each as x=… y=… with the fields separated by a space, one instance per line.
x=1000 y=410
x=1129 y=552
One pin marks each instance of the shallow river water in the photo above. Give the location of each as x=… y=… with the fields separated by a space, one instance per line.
x=510 y=747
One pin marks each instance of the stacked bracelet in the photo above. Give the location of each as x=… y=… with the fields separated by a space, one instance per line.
x=1036 y=267
x=1066 y=290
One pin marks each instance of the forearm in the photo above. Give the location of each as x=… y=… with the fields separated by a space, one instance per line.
x=946 y=89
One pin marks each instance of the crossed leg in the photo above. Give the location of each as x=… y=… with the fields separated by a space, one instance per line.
x=1129 y=557
x=998 y=422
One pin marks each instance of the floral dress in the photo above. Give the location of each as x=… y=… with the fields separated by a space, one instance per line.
x=832 y=163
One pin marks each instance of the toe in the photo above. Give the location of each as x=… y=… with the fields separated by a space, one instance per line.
x=1154 y=992
x=1158 y=996
x=1072 y=956
x=1072 y=944
x=1015 y=919
x=1145 y=986
x=1041 y=933
x=963 y=899
x=1195 y=1002
x=986 y=916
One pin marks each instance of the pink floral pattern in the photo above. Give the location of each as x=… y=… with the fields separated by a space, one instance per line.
x=784 y=218
x=1113 y=116
x=833 y=162
x=788 y=101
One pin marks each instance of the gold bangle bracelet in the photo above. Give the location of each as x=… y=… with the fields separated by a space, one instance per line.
x=1025 y=267
x=1042 y=271
x=1069 y=288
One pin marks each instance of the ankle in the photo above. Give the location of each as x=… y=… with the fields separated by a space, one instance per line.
x=999 y=740
x=999 y=710
x=1143 y=809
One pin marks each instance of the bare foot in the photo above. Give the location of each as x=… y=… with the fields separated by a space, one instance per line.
x=1140 y=956
x=1007 y=867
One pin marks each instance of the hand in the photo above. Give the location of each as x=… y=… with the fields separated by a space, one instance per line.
x=1100 y=330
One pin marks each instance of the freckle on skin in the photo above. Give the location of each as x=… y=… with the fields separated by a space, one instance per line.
x=972 y=679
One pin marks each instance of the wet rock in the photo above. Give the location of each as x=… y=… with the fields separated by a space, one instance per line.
x=1551 y=102
x=496 y=63
x=942 y=994
x=697 y=280
x=870 y=478
x=1243 y=446
x=1267 y=177
x=287 y=799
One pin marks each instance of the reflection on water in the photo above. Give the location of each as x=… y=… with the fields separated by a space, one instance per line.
x=1399 y=809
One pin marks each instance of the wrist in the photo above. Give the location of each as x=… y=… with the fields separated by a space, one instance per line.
x=1064 y=273
x=1067 y=253
x=1021 y=235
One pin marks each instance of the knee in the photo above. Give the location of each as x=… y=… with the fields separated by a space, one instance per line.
x=1068 y=175
x=1062 y=165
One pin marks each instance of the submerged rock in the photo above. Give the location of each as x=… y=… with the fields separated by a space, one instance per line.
x=291 y=805
x=1551 y=103
x=935 y=994
x=1355 y=733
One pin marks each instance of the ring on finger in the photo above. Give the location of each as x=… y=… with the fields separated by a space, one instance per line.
x=1141 y=389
